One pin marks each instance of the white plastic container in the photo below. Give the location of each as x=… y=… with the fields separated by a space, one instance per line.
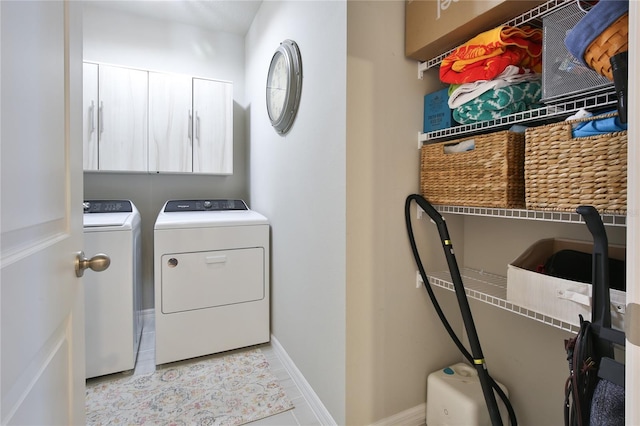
x=559 y=298
x=454 y=397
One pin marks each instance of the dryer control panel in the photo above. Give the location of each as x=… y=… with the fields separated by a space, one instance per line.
x=107 y=206
x=204 y=205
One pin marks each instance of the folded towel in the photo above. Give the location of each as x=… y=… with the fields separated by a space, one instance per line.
x=500 y=102
x=468 y=145
x=599 y=18
x=598 y=126
x=488 y=54
x=460 y=94
x=581 y=113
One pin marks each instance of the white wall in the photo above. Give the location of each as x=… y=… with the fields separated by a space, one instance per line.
x=298 y=182
x=394 y=338
x=122 y=39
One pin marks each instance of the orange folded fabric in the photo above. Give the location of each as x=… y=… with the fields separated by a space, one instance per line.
x=486 y=55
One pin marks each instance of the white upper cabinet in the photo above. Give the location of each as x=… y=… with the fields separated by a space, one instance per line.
x=170 y=123
x=122 y=119
x=213 y=126
x=90 y=118
x=156 y=122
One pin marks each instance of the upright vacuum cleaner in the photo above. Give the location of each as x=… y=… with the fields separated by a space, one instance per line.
x=595 y=389
x=476 y=358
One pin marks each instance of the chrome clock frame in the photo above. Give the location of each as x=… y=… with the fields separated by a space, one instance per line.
x=284 y=86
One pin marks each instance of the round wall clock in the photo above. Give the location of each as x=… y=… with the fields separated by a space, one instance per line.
x=284 y=85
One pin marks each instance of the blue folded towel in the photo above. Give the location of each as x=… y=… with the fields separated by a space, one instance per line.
x=599 y=18
x=598 y=126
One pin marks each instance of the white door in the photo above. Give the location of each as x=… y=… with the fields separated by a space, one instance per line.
x=122 y=119
x=632 y=354
x=42 y=351
x=170 y=123
x=213 y=126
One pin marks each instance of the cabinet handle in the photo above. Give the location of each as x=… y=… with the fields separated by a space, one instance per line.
x=216 y=259
x=197 y=126
x=189 y=126
x=92 y=115
x=100 y=118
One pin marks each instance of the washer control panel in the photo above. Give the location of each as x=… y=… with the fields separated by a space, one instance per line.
x=204 y=205
x=107 y=206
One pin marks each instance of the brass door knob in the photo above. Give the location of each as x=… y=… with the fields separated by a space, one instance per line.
x=97 y=263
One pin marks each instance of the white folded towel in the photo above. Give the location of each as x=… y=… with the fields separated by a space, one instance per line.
x=468 y=91
x=468 y=145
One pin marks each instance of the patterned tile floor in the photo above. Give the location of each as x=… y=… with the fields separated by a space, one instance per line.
x=301 y=415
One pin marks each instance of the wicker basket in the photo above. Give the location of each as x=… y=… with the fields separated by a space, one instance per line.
x=490 y=175
x=562 y=172
x=613 y=40
x=564 y=76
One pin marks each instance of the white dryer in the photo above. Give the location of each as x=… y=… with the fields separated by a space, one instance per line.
x=113 y=298
x=211 y=275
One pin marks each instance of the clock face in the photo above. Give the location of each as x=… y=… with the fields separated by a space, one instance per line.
x=284 y=86
x=277 y=86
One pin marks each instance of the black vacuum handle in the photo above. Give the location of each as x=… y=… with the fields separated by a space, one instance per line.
x=596 y=227
x=434 y=215
x=465 y=310
x=600 y=301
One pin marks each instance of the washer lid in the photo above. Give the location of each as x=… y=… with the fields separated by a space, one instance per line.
x=103 y=215
x=208 y=219
x=97 y=220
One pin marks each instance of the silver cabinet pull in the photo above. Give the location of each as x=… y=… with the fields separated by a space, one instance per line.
x=189 y=126
x=100 y=118
x=91 y=114
x=197 y=126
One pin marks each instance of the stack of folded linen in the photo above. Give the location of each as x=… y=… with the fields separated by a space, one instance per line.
x=500 y=102
x=494 y=74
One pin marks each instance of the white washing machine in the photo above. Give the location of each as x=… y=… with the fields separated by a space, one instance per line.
x=113 y=299
x=211 y=275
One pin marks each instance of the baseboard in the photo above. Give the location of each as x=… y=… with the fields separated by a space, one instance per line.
x=412 y=417
x=312 y=398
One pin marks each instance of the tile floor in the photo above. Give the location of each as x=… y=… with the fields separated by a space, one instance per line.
x=301 y=415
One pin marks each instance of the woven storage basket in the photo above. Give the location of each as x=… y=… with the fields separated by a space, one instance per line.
x=613 y=40
x=491 y=175
x=562 y=172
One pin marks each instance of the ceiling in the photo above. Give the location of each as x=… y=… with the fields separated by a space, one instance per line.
x=231 y=16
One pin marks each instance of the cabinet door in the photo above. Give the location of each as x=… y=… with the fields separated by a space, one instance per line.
x=213 y=126
x=123 y=125
x=170 y=123
x=90 y=116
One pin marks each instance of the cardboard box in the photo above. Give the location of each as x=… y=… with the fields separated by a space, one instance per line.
x=437 y=114
x=556 y=297
x=433 y=27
